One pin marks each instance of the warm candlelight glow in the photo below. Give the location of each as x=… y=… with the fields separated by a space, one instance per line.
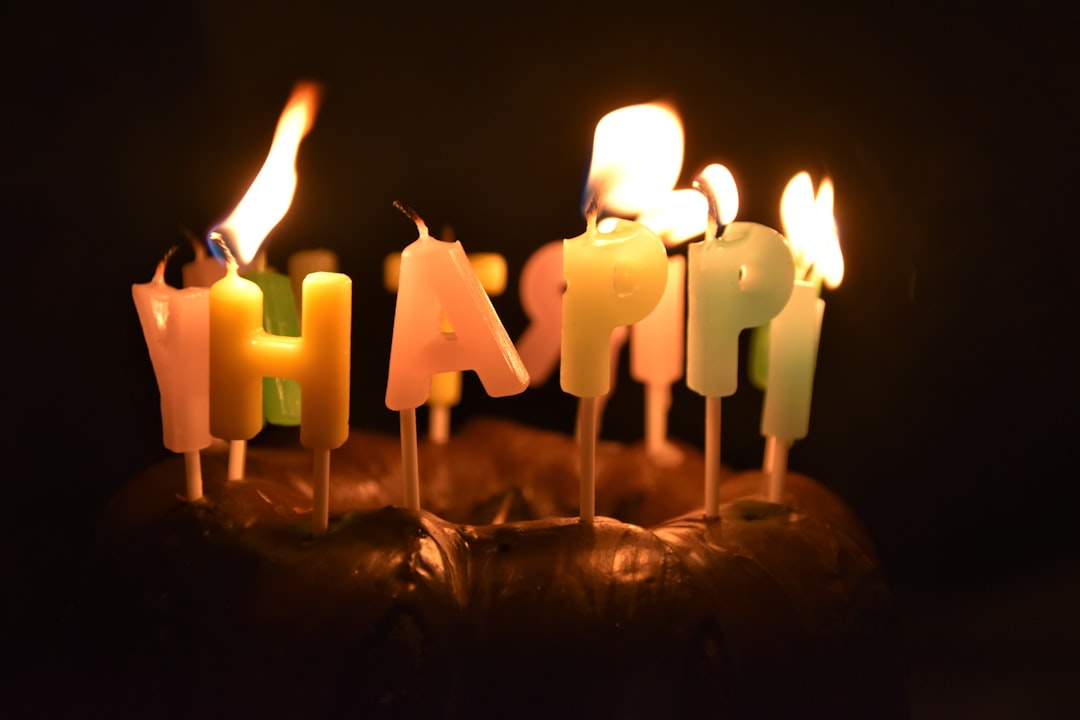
x=679 y=216
x=271 y=193
x=720 y=188
x=811 y=229
x=637 y=157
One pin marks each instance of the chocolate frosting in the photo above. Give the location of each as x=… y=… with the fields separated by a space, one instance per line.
x=228 y=607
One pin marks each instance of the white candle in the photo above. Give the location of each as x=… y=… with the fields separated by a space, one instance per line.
x=175 y=325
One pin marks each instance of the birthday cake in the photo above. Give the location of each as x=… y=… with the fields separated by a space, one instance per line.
x=494 y=599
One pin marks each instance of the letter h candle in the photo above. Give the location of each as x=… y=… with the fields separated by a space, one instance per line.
x=242 y=354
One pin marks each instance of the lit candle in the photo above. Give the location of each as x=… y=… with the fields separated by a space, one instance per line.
x=174 y=323
x=445 y=391
x=242 y=353
x=794 y=333
x=612 y=279
x=436 y=278
x=615 y=274
x=243 y=232
x=739 y=280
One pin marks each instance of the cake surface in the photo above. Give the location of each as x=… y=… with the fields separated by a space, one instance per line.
x=494 y=599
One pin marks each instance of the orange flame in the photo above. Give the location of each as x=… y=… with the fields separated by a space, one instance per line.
x=721 y=185
x=679 y=216
x=271 y=193
x=637 y=156
x=811 y=229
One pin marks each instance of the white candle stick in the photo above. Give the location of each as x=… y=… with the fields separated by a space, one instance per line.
x=587 y=438
x=439 y=424
x=237 y=459
x=778 y=459
x=320 y=490
x=712 y=457
x=193 y=475
x=410 y=465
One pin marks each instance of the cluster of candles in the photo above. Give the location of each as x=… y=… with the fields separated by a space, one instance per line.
x=233 y=351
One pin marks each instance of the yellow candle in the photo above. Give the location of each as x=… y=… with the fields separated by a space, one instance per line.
x=612 y=278
x=304 y=262
x=242 y=353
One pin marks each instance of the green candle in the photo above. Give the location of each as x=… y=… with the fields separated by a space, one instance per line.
x=737 y=281
x=281 y=396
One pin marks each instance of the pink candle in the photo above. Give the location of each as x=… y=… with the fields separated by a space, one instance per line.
x=175 y=325
x=437 y=279
x=541 y=289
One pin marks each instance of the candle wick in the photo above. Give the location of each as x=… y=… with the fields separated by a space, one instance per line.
x=713 y=227
x=421 y=226
x=809 y=274
x=159 y=273
x=218 y=239
x=592 y=211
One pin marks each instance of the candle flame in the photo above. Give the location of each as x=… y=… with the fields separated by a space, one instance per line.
x=271 y=193
x=718 y=185
x=679 y=216
x=811 y=229
x=637 y=156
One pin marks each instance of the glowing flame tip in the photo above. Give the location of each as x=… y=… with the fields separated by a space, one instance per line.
x=271 y=193
x=811 y=229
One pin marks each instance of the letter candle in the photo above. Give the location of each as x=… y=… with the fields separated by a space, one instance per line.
x=177 y=336
x=255 y=216
x=615 y=274
x=436 y=278
x=541 y=289
x=304 y=262
x=613 y=278
x=794 y=333
x=445 y=391
x=281 y=396
x=242 y=353
x=739 y=280
x=657 y=343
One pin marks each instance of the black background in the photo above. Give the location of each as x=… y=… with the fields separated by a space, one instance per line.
x=945 y=399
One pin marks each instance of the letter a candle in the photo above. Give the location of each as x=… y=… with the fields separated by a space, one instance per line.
x=436 y=277
x=739 y=280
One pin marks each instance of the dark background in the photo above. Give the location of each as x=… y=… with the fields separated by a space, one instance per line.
x=945 y=398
